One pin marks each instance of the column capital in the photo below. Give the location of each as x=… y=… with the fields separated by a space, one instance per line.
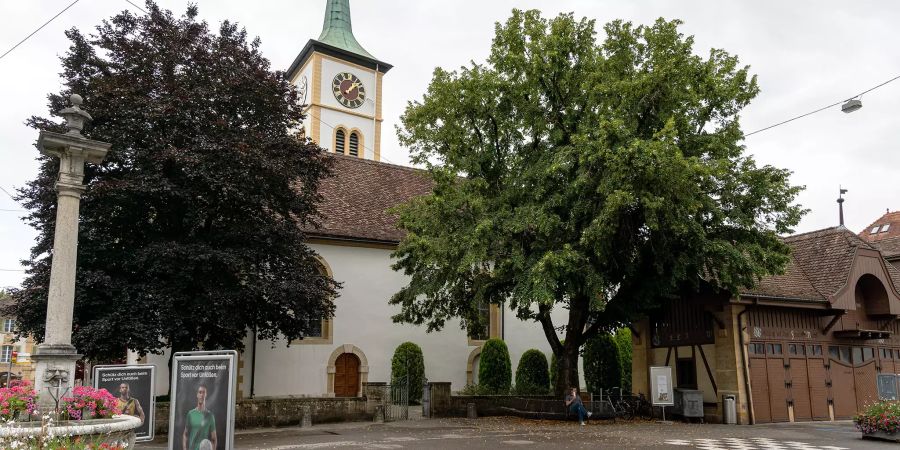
x=65 y=189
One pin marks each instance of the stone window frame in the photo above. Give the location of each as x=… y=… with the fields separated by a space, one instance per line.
x=493 y=326
x=327 y=336
x=470 y=365
x=9 y=325
x=332 y=369
x=6 y=352
x=345 y=140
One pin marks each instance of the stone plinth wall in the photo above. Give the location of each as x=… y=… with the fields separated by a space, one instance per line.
x=275 y=412
x=500 y=405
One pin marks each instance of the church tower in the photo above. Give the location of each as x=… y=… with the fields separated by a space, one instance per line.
x=341 y=83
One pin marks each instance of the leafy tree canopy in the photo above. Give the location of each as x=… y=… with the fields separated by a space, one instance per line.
x=594 y=176
x=191 y=228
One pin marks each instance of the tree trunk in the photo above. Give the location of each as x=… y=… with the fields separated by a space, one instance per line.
x=567 y=368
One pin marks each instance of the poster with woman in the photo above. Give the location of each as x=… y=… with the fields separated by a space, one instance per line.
x=134 y=389
x=203 y=395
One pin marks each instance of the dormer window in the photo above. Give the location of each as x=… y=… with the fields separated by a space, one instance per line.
x=340 y=140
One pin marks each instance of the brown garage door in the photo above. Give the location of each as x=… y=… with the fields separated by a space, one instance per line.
x=864 y=383
x=818 y=388
x=768 y=378
x=800 y=389
x=759 y=383
x=840 y=376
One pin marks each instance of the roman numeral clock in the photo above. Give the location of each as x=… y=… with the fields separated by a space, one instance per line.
x=348 y=90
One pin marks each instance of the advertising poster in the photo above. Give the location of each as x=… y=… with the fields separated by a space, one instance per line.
x=203 y=395
x=661 y=393
x=134 y=389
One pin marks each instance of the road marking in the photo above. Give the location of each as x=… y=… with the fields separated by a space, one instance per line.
x=748 y=444
x=517 y=442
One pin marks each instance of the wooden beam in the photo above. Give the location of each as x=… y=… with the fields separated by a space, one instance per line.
x=834 y=321
x=717 y=320
x=668 y=355
x=708 y=371
x=634 y=331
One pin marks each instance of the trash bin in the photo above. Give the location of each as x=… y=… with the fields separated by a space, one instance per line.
x=729 y=409
x=688 y=403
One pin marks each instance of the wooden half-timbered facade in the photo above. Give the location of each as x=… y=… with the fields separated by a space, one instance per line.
x=804 y=345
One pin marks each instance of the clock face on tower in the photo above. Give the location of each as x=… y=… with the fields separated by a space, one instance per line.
x=348 y=90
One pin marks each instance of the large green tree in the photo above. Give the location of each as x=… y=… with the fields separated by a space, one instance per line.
x=596 y=177
x=190 y=230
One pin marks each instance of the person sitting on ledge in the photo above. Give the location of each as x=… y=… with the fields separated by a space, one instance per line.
x=573 y=401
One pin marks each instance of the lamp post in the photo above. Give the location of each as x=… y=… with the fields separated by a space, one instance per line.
x=56 y=356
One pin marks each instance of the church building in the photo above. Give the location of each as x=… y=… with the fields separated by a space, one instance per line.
x=341 y=82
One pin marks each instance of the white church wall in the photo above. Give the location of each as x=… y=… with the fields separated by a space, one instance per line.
x=363 y=319
x=307 y=73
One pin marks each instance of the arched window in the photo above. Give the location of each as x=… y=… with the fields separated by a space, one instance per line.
x=318 y=331
x=340 y=140
x=354 y=144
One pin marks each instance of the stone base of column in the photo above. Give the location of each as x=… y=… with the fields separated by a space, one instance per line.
x=54 y=376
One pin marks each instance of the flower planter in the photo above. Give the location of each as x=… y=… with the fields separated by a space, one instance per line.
x=883 y=436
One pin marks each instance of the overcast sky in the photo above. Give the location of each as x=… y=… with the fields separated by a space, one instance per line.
x=807 y=54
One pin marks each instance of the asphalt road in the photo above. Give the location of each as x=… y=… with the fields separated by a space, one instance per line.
x=499 y=432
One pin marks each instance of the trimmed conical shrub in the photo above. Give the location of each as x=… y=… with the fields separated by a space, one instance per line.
x=408 y=360
x=494 y=368
x=532 y=374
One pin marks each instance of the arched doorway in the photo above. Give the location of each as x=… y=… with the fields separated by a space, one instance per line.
x=346 y=375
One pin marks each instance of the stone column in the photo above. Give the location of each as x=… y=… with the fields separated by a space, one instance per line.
x=56 y=356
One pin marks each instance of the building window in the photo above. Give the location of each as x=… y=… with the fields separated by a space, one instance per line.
x=686 y=373
x=885 y=227
x=481 y=330
x=318 y=331
x=354 y=144
x=340 y=140
x=6 y=354
x=313 y=328
x=9 y=325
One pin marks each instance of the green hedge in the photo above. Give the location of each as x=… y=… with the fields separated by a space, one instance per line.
x=494 y=368
x=602 y=364
x=532 y=374
x=623 y=339
x=409 y=355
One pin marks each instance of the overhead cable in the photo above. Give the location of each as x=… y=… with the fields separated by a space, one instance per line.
x=822 y=108
x=39 y=28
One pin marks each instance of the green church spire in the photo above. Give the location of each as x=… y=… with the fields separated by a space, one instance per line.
x=337 y=30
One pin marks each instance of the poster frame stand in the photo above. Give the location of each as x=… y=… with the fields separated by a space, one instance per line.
x=95 y=378
x=661 y=382
x=202 y=355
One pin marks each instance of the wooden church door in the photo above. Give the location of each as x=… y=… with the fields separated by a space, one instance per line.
x=346 y=376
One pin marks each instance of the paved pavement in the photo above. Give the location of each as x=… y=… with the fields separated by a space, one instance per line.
x=500 y=432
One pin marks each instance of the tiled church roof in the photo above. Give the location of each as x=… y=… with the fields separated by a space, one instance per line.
x=358 y=196
x=886 y=227
x=890 y=247
x=820 y=265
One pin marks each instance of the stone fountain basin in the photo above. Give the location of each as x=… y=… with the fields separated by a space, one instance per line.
x=118 y=428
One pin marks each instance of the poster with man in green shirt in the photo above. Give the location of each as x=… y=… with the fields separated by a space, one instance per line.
x=203 y=396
